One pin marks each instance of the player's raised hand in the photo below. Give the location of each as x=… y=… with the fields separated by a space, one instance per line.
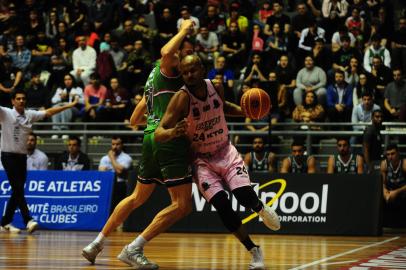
x=187 y=25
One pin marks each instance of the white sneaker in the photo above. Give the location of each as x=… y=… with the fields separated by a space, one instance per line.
x=135 y=257
x=54 y=137
x=91 y=251
x=65 y=137
x=10 y=228
x=32 y=226
x=270 y=218
x=257 y=261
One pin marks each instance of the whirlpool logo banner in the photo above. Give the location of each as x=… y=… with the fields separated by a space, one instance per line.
x=306 y=204
x=64 y=200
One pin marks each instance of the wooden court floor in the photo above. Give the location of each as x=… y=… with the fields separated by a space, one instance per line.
x=62 y=250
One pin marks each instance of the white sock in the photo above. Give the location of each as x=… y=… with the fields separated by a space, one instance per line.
x=100 y=239
x=138 y=242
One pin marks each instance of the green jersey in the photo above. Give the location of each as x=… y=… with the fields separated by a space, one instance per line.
x=159 y=90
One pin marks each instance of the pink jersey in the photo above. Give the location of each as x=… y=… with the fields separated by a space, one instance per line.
x=207 y=129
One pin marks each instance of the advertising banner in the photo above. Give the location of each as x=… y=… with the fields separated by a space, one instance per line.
x=64 y=200
x=306 y=204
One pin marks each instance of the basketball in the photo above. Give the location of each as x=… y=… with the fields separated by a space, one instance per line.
x=255 y=103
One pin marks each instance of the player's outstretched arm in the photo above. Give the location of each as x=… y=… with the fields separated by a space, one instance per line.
x=173 y=123
x=138 y=115
x=231 y=109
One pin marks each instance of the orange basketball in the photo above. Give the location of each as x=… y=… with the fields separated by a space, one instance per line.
x=255 y=103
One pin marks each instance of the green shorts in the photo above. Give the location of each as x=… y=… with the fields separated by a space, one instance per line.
x=165 y=163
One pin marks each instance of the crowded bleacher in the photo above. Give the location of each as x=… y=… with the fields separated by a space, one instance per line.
x=320 y=61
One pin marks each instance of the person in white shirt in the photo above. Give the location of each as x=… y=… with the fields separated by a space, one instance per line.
x=16 y=126
x=84 y=61
x=185 y=13
x=119 y=162
x=376 y=49
x=36 y=159
x=65 y=95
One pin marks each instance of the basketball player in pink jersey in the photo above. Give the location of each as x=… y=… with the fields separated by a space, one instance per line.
x=198 y=111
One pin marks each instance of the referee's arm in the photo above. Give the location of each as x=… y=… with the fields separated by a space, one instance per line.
x=54 y=110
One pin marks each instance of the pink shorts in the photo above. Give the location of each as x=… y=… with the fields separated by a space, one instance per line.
x=225 y=169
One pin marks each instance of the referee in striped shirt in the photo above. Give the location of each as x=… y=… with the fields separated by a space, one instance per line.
x=16 y=125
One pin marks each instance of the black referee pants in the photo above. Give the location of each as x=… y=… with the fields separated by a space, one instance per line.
x=15 y=166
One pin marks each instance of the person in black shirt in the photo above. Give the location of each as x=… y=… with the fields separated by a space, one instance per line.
x=342 y=57
x=10 y=78
x=399 y=46
x=279 y=18
x=234 y=46
x=372 y=141
x=73 y=159
x=37 y=94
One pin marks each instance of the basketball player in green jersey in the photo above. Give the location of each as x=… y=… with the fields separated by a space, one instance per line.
x=161 y=163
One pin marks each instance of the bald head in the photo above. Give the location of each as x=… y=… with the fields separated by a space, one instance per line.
x=192 y=70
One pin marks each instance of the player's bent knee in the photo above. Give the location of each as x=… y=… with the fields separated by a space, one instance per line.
x=246 y=196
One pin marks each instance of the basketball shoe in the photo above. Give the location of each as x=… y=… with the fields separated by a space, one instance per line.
x=32 y=226
x=9 y=228
x=270 y=218
x=257 y=261
x=136 y=258
x=91 y=251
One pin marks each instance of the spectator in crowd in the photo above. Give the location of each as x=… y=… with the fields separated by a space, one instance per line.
x=235 y=16
x=362 y=113
x=258 y=38
x=277 y=42
x=207 y=45
x=339 y=99
x=213 y=19
x=20 y=54
x=277 y=17
x=334 y=13
x=308 y=37
x=10 y=79
x=36 y=159
x=380 y=76
x=264 y=12
x=33 y=24
x=105 y=65
x=95 y=95
x=309 y=112
x=356 y=26
x=84 y=61
x=137 y=66
x=41 y=51
x=73 y=159
x=322 y=55
x=342 y=57
x=36 y=92
x=219 y=80
x=63 y=32
x=393 y=173
x=129 y=36
x=353 y=72
x=220 y=66
x=285 y=74
x=345 y=161
x=148 y=33
x=259 y=160
x=166 y=26
x=185 y=15
x=65 y=94
x=376 y=49
x=100 y=15
x=77 y=15
x=361 y=87
x=298 y=161
x=337 y=39
x=256 y=70
x=310 y=78
x=234 y=46
x=399 y=46
x=116 y=102
x=51 y=24
x=300 y=21
x=372 y=142
x=395 y=95
x=117 y=53
x=61 y=63
x=119 y=162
